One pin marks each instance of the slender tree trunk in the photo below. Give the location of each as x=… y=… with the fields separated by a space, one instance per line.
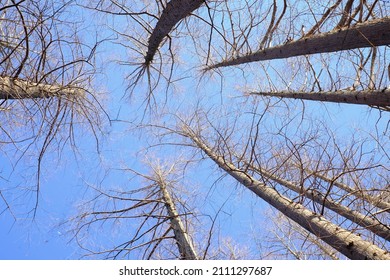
x=21 y=89
x=363 y=35
x=175 y=11
x=375 y=201
x=183 y=241
x=344 y=241
x=354 y=216
x=380 y=98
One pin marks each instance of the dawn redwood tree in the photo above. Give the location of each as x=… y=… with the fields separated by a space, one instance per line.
x=150 y=215
x=173 y=12
x=153 y=212
x=270 y=187
x=310 y=37
x=381 y=202
x=364 y=35
x=46 y=82
x=376 y=98
x=148 y=37
x=371 y=224
x=329 y=188
x=295 y=46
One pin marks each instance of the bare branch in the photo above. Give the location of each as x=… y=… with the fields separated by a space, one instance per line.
x=342 y=240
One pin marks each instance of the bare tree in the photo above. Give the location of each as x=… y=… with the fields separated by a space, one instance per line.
x=375 y=98
x=342 y=240
x=341 y=58
x=162 y=219
x=369 y=34
x=148 y=40
x=21 y=89
x=371 y=224
x=337 y=33
x=377 y=201
x=334 y=192
x=318 y=37
x=273 y=166
x=46 y=81
x=174 y=11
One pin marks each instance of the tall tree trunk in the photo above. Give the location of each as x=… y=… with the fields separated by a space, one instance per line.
x=175 y=11
x=363 y=35
x=344 y=241
x=380 y=98
x=183 y=241
x=21 y=89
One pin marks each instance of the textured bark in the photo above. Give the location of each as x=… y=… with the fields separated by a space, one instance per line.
x=175 y=11
x=367 y=34
x=21 y=89
x=380 y=98
x=354 y=216
x=344 y=241
x=183 y=241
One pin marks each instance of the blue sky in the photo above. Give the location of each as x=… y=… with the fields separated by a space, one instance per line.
x=65 y=180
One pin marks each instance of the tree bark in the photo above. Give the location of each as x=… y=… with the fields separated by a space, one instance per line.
x=21 y=89
x=344 y=241
x=175 y=11
x=363 y=35
x=380 y=98
x=184 y=244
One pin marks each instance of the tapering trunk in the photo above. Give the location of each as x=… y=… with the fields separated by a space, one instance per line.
x=380 y=98
x=175 y=11
x=344 y=241
x=183 y=241
x=363 y=35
